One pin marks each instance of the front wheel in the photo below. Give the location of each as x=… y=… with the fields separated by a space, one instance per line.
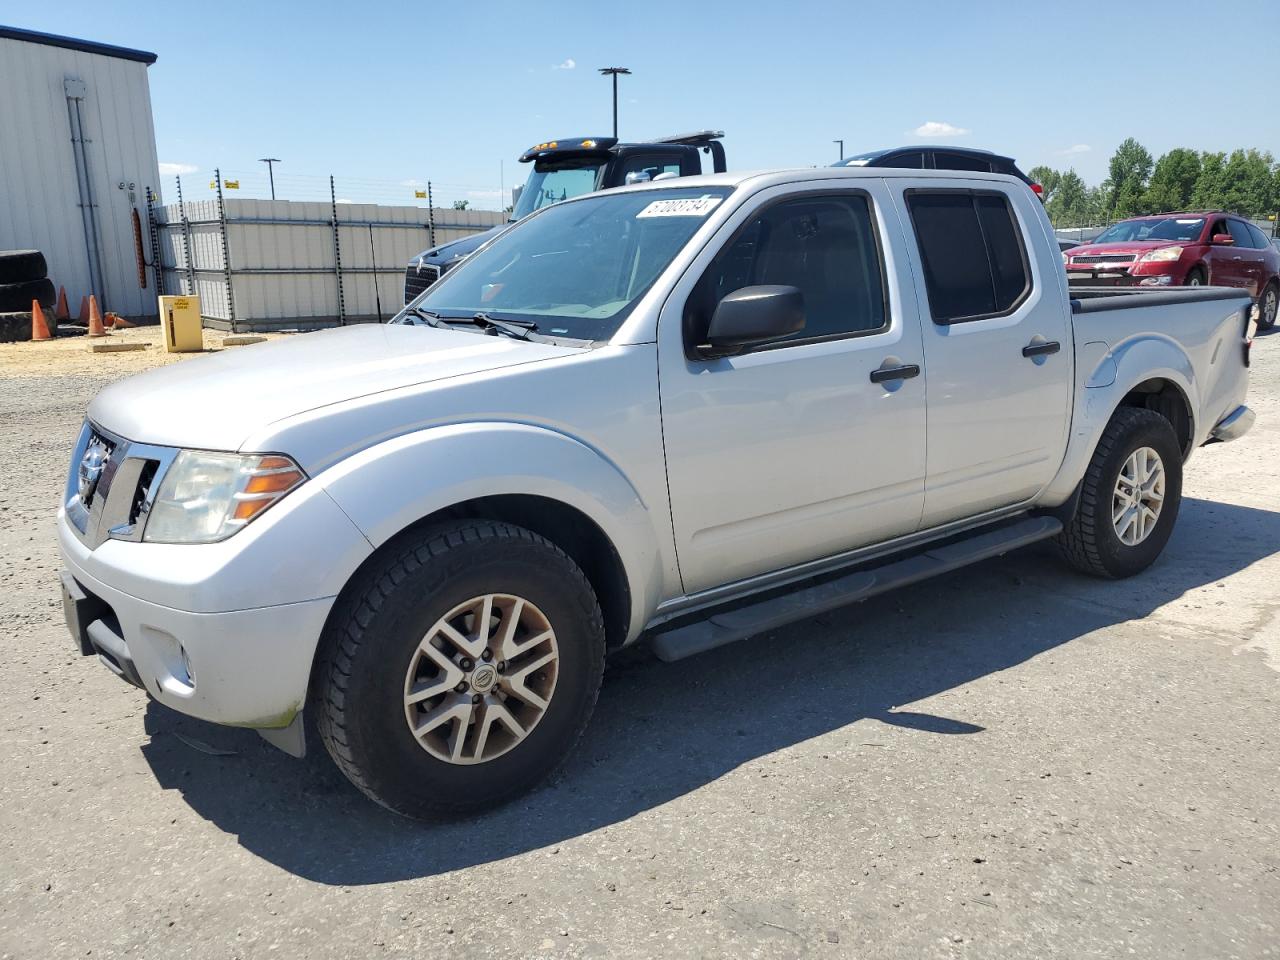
x=1129 y=497
x=460 y=670
x=1196 y=277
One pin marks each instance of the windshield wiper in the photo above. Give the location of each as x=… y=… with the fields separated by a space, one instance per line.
x=424 y=316
x=520 y=329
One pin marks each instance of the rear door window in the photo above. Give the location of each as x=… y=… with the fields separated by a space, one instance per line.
x=1259 y=238
x=960 y=161
x=972 y=251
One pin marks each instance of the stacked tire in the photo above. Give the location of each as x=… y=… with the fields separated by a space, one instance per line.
x=23 y=279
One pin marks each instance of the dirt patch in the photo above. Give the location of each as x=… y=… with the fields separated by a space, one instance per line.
x=70 y=356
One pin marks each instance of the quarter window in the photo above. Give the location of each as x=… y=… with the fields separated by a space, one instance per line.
x=975 y=264
x=825 y=246
x=960 y=161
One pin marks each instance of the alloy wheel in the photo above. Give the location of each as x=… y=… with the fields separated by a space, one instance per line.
x=1138 y=496
x=481 y=678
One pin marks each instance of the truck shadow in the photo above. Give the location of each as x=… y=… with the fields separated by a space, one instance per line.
x=664 y=730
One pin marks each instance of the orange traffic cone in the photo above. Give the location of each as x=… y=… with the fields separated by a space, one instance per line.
x=83 y=316
x=61 y=312
x=117 y=322
x=39 y=327
x=96 y=329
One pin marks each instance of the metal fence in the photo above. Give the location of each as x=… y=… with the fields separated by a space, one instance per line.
x=289 y=264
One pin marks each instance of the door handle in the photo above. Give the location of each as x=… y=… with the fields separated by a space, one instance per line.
x=1041 y=349
x=904 y=372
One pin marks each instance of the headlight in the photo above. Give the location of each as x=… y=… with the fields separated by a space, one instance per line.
x=207 y=497
x=1161 y=255
x=1065 y=258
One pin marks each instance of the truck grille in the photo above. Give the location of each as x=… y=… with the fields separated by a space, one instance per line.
x=112 y=485
x=1105 y=258
x=419 y=278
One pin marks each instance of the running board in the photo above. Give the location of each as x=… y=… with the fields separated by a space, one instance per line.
x=747 y=621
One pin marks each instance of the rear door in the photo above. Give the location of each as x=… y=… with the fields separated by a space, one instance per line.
x=1248 y=257
x=997 y=344
x=792 y=452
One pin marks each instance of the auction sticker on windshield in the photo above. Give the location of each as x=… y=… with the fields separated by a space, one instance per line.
x=693 y=207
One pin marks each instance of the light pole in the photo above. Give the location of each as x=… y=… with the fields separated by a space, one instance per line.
x=841 y=142
x=271 y=172
x=613 y=72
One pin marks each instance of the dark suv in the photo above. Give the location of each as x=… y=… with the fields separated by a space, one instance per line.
x=941 y=158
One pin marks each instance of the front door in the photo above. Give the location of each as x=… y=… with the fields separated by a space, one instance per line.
x=791 y=452
x=1226 y=263
x=997 y=345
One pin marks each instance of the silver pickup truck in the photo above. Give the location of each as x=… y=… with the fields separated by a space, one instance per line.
x=682 y=413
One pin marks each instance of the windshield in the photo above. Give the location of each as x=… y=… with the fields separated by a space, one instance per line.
x=576 y=270
x=552 y=183
x=1170 y=228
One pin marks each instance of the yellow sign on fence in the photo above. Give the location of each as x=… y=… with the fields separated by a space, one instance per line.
x=231 y=184
x=422 y=195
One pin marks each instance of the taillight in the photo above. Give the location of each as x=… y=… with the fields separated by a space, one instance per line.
x=1037 y=190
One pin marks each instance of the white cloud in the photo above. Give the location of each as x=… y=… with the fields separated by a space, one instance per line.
x=568 y=64
x=1076 y=148
x=939 y=128
x=169 y=169
x=413 y=182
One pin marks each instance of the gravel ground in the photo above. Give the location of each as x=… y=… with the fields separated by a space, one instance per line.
x=1012 y=761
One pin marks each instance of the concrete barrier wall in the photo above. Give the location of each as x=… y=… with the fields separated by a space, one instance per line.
x=283 y=268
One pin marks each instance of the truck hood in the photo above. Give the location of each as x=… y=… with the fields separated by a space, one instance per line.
x=216 y=402
x=447 y=254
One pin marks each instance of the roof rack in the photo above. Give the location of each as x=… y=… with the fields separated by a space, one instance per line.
x=697 y=139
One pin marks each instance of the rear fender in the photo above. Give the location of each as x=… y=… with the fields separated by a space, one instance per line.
x=389 y=487
x=1100 y=390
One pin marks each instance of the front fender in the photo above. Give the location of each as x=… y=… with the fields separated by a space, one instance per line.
x=1101 y=387
x=394 y=484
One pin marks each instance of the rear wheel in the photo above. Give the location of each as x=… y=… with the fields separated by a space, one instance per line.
x=461 y=670
x=1129 y=497
x=1268 y=306
x=1196 y=277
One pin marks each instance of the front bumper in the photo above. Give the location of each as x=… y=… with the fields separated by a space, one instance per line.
x=247 y=668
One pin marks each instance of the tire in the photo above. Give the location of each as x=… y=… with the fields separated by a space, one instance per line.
x=1268 y=306
x=372 y=651
x=21 y=266
x=1090 y=541
x=1196 y=277
x=17 y=297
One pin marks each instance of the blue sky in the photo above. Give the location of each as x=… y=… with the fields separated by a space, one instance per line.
x=387 y=94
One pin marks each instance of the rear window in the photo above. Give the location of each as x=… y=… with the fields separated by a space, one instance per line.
x=1259 y=238
x=974 y=260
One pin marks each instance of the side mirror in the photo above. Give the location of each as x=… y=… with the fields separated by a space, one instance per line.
x=637 y=176
x=1223 y=239
x=753 y=315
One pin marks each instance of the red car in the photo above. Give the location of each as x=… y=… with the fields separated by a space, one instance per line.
x=1182 y=249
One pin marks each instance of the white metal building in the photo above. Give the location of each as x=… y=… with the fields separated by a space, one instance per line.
x=77 y=155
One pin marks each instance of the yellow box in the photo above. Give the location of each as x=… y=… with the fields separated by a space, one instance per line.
x=180 y=317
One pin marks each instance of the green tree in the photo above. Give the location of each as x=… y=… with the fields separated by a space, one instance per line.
x=1173 y=181
x=1069 y=206
x=1128 y=172
x=1249 y=182
x=1210 y=191
x=460 y=204
x=1048 y=178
